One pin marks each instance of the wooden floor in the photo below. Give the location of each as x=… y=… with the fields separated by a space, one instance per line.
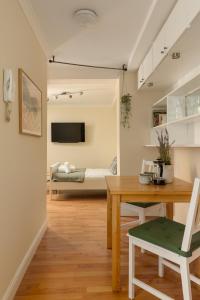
x=72 y=261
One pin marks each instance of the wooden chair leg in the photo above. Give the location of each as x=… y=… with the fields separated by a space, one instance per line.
x=160 y=267
x=131 y=269
x=185 y=278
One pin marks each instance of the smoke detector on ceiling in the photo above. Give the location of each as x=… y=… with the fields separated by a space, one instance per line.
x=85 y=17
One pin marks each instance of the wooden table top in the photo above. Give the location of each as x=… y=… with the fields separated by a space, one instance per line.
x=129 y=185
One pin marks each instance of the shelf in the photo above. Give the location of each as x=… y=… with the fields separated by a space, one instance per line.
x=176 y=146
x=185 y=86
x=187 y=119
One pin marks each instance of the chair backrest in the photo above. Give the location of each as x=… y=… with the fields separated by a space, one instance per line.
x=193 y=217
x=147 y=166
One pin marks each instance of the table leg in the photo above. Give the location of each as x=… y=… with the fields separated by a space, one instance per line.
x=170 y=210
x=116 y=243
x=109 y=220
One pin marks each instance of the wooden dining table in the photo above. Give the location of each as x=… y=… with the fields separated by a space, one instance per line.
x=128 y=189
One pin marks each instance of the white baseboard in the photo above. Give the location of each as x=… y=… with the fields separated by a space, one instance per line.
x=19 y=274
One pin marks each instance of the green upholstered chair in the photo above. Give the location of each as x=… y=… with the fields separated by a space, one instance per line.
x=176 y=245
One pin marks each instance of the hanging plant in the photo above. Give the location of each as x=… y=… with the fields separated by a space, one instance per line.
x=126 y=105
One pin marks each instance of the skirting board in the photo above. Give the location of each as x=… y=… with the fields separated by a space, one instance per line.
x=19 y=274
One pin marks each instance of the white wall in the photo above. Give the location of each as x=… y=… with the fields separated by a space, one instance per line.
x=101 y=136
x=23 y=158
x=133 y=139
x=186 y=167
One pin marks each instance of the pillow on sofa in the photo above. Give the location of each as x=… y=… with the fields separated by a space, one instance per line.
x=113 y=166
x=64 y=168
x=70 y=166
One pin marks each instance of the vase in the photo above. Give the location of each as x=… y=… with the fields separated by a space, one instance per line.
x=168 y=173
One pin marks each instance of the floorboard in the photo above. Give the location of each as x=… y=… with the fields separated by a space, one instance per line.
x=72 y=261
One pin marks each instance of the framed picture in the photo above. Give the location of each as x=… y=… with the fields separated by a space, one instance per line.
x=30 y=106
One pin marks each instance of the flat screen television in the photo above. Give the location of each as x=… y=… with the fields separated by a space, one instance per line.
x=67 y=132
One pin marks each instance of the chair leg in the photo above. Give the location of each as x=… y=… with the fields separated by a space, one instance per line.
x=142 y=220
x=164 y=210
x=185 y=278
x=160 y=267
x=131 y=269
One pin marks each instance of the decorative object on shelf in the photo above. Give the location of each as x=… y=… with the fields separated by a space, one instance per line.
x=126 y=110
x=30 y=106
x=8 y=91
x=159 y=117
x=164 y=149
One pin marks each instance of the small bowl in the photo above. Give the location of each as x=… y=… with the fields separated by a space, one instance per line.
x=145 y=178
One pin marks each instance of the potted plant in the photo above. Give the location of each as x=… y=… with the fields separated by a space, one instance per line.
x=126 y=100
x=164 y=150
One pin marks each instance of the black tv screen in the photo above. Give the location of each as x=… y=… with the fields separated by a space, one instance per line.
x=68 y=132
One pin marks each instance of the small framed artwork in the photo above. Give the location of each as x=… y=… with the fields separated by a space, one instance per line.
x=30 y=106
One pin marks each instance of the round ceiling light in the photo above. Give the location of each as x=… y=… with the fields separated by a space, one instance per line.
x=85 y=17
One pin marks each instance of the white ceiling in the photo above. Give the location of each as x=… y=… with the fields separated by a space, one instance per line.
x=122 y=35
x=101 y=92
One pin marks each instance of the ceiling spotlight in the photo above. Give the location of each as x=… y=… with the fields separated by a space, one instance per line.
x=81 y=93
x=85 y=17
x=149 y=84
x=176 y=55
x=70 y=96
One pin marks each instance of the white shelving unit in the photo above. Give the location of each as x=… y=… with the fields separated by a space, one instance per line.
x=182 y=108
x=176 y=146
x=187 y=119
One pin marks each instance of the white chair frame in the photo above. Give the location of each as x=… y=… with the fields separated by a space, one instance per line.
x=170 y=259
x=140 y=211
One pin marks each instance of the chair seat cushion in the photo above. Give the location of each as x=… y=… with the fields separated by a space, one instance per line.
x=167 y=234
x=143 y=204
